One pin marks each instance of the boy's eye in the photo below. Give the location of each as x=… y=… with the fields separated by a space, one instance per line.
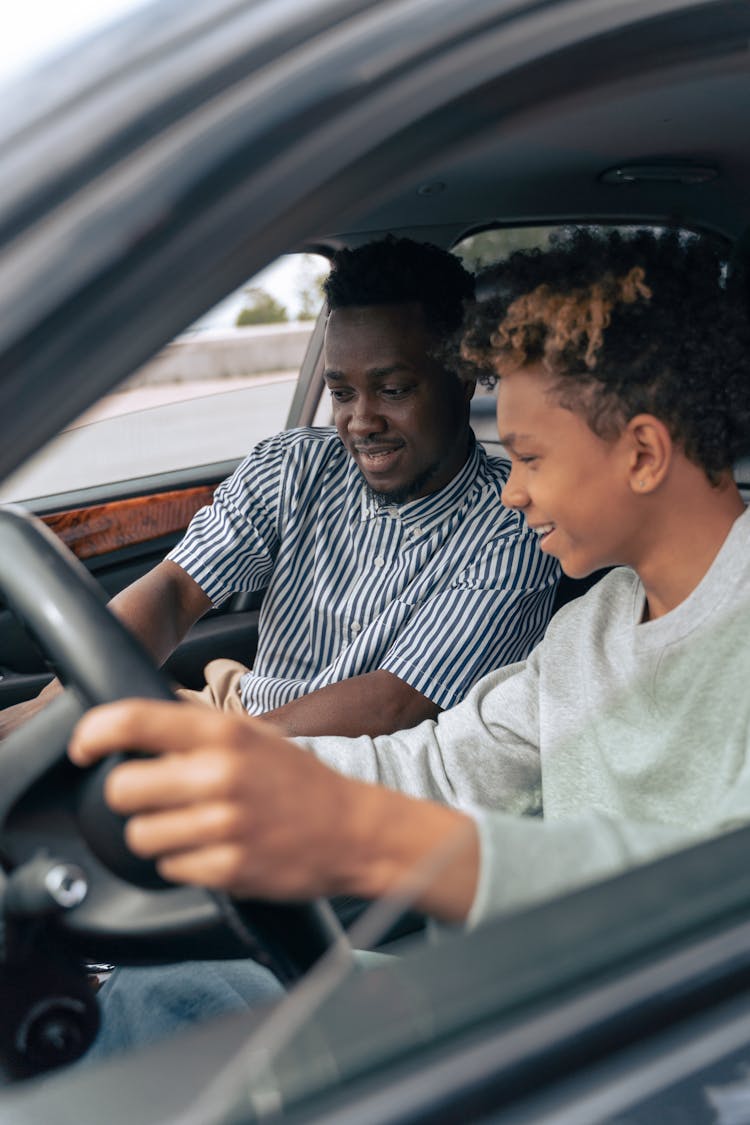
x=527 y=459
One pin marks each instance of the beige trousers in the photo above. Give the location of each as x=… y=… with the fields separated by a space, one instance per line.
x=222 y=690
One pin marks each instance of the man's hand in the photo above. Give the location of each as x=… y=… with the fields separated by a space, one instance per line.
x=231 y=805
x=158 y=609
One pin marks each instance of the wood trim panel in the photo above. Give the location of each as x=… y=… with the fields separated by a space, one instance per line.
x=101 y=528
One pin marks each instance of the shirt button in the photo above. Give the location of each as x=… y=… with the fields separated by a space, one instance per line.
x=356 y=627
x=393 y=513
x=379 y=561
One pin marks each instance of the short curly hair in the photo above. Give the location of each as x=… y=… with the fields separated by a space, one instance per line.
x=628 y=323
x=395 y=271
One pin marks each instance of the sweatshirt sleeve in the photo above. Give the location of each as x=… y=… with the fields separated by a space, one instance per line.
x=525 y=861
x=483 y=758
x=486 y=748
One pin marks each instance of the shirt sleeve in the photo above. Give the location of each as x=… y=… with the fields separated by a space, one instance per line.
x=230 y=546
x=494 y=612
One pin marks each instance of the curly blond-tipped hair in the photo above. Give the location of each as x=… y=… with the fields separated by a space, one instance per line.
x=571 y=321
x=644 y=323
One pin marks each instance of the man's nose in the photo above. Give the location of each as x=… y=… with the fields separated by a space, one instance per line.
x=365 y=418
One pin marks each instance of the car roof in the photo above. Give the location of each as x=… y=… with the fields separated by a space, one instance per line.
x=647 y=125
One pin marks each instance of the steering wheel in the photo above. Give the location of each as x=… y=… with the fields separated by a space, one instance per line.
x=53 y=813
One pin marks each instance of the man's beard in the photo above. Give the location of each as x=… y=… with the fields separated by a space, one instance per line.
x=406 y=492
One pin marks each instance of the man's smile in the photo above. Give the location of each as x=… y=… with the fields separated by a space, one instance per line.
x=378 y=458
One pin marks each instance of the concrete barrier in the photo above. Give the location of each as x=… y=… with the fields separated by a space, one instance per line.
x=228 y=353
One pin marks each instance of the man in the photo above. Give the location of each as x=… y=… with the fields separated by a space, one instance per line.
x=365 y=536
x=623 y=402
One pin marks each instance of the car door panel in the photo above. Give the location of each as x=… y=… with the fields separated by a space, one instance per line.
x=118 y=542
x=99 y=529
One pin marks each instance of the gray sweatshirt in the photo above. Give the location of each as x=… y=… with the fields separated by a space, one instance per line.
x=631 y=738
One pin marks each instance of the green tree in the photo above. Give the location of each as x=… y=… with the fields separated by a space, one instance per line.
x=261 y=308
x=310 y=287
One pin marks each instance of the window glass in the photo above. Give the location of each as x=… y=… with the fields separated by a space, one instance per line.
x=209 y=396
x=477 y=252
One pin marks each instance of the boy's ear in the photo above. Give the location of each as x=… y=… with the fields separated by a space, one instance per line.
x=650 y=450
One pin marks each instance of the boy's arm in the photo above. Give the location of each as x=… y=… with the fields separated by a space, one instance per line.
x=484 y=750
x=527 y=860
x=228 y=804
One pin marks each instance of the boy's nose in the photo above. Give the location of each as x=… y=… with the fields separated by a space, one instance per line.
x=514 y=495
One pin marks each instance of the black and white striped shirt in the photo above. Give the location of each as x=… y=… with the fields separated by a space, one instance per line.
x=437 y=591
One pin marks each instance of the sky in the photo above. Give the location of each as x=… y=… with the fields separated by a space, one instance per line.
x=35 y=30
x=282 y=280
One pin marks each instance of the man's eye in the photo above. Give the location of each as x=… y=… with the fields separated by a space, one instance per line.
x=340 y=395
x=394 y=392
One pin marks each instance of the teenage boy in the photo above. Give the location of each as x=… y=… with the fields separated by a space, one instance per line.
x=623 y=402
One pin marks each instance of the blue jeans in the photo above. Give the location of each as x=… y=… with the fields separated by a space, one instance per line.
x=142 y=1005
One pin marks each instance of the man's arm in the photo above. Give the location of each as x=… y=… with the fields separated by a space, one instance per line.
x=158 y=608
x=229 y=804
x=482 y=626
x=374 y=703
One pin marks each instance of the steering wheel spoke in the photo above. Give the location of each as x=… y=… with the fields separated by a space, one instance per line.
x=32 y=749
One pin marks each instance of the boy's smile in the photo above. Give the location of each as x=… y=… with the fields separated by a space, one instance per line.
x=572 y=486
x=543 y=531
